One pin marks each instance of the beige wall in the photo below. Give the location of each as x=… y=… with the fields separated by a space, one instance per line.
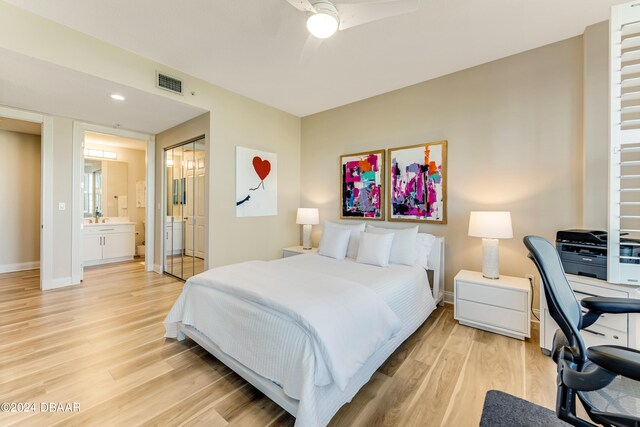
x=136 y=171
x=234 y=239
x=514 y=128
x=596 y=126
x=20 y=195
x=235 y=120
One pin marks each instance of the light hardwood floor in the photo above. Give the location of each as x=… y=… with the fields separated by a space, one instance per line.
x=101 y=344
x=183 y=266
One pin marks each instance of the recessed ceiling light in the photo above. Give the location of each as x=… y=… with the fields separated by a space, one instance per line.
x=117 y=97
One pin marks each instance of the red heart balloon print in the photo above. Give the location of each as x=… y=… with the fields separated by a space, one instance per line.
x=262 y=167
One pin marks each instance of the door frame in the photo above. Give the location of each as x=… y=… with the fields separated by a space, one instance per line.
x=79 y=128
x=46 y=188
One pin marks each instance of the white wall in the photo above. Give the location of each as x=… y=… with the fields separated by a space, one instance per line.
x=235 y=120
x=514 y=128
x=20 y=195
x=62 y=189
x=234 y=239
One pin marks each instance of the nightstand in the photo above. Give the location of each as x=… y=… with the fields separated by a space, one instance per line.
x=297 y=250
x=495 y=305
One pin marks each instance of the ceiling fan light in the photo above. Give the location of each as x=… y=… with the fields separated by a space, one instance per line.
x=322 y=25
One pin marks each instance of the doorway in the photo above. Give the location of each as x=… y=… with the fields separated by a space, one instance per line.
x=114 y=199
x=121 y=203
x=46 y=189
x=21 y=194
x=184 y=200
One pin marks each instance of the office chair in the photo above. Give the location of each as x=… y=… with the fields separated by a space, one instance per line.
x=606 y=378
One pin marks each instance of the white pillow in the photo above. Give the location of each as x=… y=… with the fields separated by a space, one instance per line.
x=403 y=250
x=334 y=243
x=375 y=249
x=424 y=244
x=355 y=229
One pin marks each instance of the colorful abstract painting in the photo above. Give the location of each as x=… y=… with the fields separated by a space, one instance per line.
x=418 y=183
x=361 y=185
x=256 y=183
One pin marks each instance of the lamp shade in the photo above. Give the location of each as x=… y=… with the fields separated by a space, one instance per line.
x=308 y=216
x=490 y=225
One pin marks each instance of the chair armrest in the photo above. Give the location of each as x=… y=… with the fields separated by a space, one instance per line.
x=619 y=360
x=611 y=305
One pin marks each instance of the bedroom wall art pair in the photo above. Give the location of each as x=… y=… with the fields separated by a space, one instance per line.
x=416 y=177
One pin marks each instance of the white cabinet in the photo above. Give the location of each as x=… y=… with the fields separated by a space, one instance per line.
x=91 y=246
x=609 y=329
x=104 y=243
x=173 y=234
x=118 y=244
x=495 y=305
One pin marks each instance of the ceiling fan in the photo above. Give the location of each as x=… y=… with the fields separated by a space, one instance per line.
x=329 y=16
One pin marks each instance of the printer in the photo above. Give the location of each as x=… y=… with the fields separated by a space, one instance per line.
x=584 y=252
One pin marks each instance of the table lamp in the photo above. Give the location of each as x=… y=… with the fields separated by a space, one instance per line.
x=491 y=226
x=307 y=217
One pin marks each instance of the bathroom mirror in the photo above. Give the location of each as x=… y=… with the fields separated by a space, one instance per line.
x=105 y=188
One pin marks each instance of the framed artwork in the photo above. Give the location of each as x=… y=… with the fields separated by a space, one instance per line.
x=256 y=183
x=418 y=183
x=362 y=185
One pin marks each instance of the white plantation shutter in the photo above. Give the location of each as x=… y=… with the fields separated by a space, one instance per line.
x=624 y=166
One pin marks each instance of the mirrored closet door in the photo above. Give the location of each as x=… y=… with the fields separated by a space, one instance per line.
x=184 y=227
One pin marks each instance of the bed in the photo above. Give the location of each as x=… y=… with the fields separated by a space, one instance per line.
x=325 y=363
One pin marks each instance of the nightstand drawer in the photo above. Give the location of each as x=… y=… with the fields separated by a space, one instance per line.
x=494 y=296
x=491 y=315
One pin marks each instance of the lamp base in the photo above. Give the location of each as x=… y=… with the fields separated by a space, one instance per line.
x=490 y=255
x=306 y=236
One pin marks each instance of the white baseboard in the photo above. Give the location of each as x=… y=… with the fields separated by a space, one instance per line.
x=157 y=268
x=21 y=266
x=60 y=282
x=448 y=297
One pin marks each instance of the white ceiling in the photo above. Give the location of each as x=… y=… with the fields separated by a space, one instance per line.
x=36 y=85
x=259 y=48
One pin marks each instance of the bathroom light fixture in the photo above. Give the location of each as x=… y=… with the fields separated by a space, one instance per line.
x=117 y=97
x=324 y=23
x=102 y=154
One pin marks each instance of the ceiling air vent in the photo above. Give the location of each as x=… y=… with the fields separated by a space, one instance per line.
x=168 y=83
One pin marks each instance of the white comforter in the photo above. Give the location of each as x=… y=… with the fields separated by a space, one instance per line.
x=345 y=321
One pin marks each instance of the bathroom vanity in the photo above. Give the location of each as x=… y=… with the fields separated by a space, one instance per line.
x=105 y=242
